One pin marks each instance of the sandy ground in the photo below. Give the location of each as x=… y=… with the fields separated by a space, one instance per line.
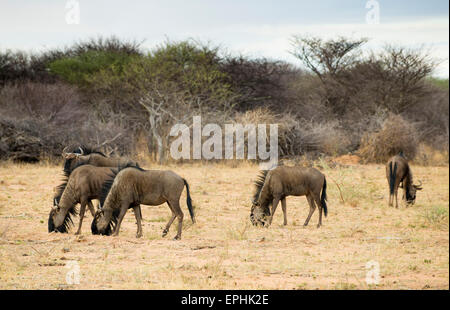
x=222 y=250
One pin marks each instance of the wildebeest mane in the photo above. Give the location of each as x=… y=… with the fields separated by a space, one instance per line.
x=68 y=222
x=66 y=174
x=106 y=187
x=65 y=226
x=259 y=183
x=111 y=226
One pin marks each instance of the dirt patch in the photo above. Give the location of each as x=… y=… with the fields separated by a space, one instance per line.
x=348 y=160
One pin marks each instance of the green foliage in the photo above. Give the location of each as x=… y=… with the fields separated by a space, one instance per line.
x=187 y=68
x=439 y=82
x=78 y=70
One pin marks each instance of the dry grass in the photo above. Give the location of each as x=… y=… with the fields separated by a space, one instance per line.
x=222 y=251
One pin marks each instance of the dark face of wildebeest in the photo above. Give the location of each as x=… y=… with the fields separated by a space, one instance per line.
x=259 y=216
x=60 y=219
x=411 y=193
x=101 y=225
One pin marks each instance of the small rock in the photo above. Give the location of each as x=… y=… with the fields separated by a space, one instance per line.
x=65 y=250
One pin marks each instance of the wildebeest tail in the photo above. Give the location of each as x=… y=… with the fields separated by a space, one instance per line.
x=323 y=197
x=189 y=201
x=392 y=174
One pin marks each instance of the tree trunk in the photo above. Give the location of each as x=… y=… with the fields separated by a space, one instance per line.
x=158 y=138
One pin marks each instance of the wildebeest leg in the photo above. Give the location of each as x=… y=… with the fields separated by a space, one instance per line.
x=283 y=207
x=319 y=205
x=312 y=207
x=174 y=215
x=275 y=202
x=395 y=195
x=91 y=208
x=123 y=210
x=138 y=215
x=391 y=199
x=179 y=214
x=82 y=210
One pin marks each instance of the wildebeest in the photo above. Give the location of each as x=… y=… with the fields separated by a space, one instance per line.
x=87 y=155
x=132 y=186
x=82 y=185
x=275 y=185
x=398 y=171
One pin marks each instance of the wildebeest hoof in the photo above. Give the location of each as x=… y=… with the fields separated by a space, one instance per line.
x=138 y=235
x=318 y=225
x=165 y=233
x=177 y=238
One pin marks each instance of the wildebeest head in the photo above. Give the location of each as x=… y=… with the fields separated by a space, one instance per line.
x=72 y=158
x=102 y=222
x=411 y=193
x=60 y=219
x=259 y=216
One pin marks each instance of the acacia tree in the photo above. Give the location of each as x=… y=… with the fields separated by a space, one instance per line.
x=169 y=85
x=398 y=77
x=331 y=62
x=327 y=58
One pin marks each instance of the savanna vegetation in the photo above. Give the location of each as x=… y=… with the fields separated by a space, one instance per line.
x=339 y=104
x=339 y=98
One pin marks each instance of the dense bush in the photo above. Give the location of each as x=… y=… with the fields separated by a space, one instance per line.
x=19 y=66
x=396 y=135
x=78 y=69
x=38 y=119
x=111 y=93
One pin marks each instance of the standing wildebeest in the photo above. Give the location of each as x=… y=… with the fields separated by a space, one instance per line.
x=132 y=186
x=82 y=185
x=275 y=185
x=89 y=156
x=398 y=171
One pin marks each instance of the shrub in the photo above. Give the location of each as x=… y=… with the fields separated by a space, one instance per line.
x=37 y=120
x=396 y=135
x=299 y=137
x=77 y=70
x=435 y=217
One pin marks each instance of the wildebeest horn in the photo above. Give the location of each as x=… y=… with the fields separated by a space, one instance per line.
x=64 y=151
x=55 y=203
x=82 y=152
x=419 y=186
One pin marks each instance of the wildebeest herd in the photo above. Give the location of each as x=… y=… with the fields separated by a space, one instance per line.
x=120 y=184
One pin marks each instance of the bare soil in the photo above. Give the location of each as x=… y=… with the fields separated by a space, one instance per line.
x=222 y=250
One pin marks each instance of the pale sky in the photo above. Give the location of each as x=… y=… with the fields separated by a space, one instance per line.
x=255 y=28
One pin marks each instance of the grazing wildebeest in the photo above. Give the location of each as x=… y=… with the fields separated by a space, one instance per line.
x=82 y=185
x=87 y=155
x=398 y=171
x=132 y=186
x=275 y=185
